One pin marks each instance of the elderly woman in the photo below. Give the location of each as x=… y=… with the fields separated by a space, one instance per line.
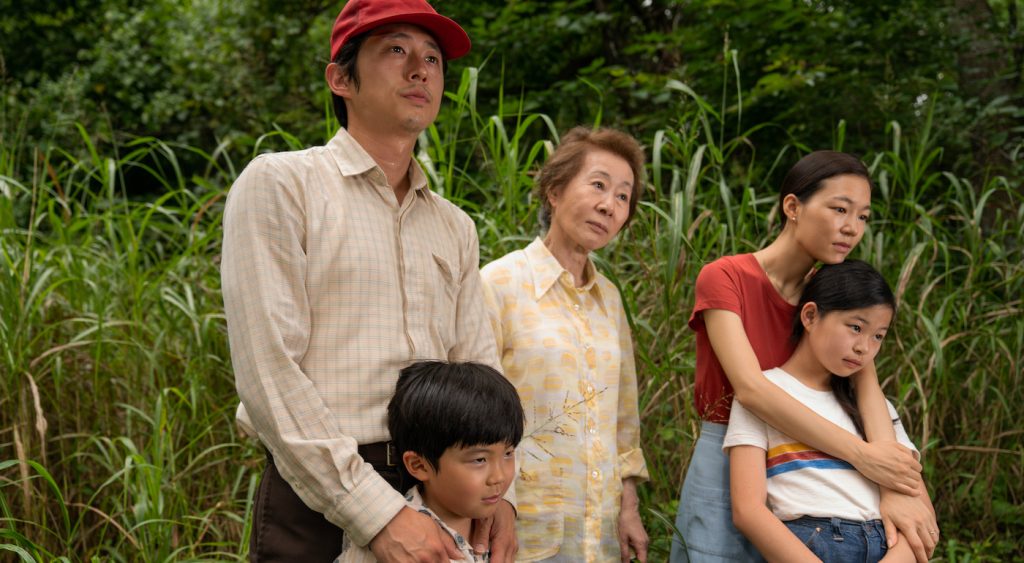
x=564 y=342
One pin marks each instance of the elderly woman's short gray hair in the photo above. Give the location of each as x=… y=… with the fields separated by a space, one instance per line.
x=567 y=160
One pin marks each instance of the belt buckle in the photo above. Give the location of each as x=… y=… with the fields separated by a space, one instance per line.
x=390 y=447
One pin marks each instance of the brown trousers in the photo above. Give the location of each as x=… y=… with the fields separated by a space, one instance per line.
x=285 y=529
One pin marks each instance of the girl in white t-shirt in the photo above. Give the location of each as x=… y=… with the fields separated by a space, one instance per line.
x=795 y=503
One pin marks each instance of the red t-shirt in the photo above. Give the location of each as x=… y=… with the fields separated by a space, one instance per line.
x=737 y=284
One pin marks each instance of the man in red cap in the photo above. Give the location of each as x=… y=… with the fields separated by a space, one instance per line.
x=340 y=267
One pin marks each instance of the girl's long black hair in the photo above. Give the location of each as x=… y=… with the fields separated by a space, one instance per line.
x=852 y=284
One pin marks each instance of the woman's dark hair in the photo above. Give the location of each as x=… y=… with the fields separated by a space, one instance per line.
x=845 y=286
x=439 y=405
x=346 y=59
x=808 y=175
x=565 y=163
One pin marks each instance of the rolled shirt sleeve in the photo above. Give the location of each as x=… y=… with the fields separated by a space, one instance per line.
x=269 y=317
x=331 y=287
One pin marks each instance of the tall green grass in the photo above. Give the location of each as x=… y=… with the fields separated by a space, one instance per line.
x=117 y=422
x=117 y=438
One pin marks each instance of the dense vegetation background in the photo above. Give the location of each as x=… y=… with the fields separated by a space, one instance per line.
x=123 y=123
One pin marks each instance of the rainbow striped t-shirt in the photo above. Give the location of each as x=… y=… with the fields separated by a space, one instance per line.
x=803 y=481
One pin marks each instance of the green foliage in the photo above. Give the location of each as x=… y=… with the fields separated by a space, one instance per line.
x=806 y=66
x=192 y=73
x=115 y=384
x=202 y=72
x=117 y=400
x=116 y=395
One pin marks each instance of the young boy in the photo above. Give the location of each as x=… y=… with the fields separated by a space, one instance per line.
x=455 y=427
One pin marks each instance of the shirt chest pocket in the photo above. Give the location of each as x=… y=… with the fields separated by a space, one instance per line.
x=446 y=283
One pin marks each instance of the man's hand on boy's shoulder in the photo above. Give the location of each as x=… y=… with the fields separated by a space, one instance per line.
x=497 y=533
x=411 y=537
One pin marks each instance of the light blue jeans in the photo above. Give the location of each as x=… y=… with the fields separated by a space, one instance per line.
x=705 y=507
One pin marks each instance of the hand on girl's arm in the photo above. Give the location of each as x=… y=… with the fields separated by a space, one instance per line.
x=881 y=458
x=914 y=518
x=908 y=512
x=750 y=514
x=885 y=462
x=888 y=463
x=632 y=535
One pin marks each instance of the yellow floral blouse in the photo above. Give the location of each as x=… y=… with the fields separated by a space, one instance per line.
x=569 y=353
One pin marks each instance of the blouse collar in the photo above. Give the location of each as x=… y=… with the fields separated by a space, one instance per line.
x=547 y=271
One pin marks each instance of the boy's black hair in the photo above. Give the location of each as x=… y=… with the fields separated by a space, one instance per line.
x=439 y=405
x=845 y=286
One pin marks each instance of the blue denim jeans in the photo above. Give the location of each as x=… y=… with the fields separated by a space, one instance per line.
x=705 y=507
x=841 y=541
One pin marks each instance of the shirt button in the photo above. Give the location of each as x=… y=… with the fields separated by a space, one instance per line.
x=595 y=473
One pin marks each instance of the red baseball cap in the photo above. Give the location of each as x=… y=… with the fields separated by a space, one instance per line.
x=359 y=16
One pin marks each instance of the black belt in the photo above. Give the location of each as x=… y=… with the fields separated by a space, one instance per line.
x=380 y=454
